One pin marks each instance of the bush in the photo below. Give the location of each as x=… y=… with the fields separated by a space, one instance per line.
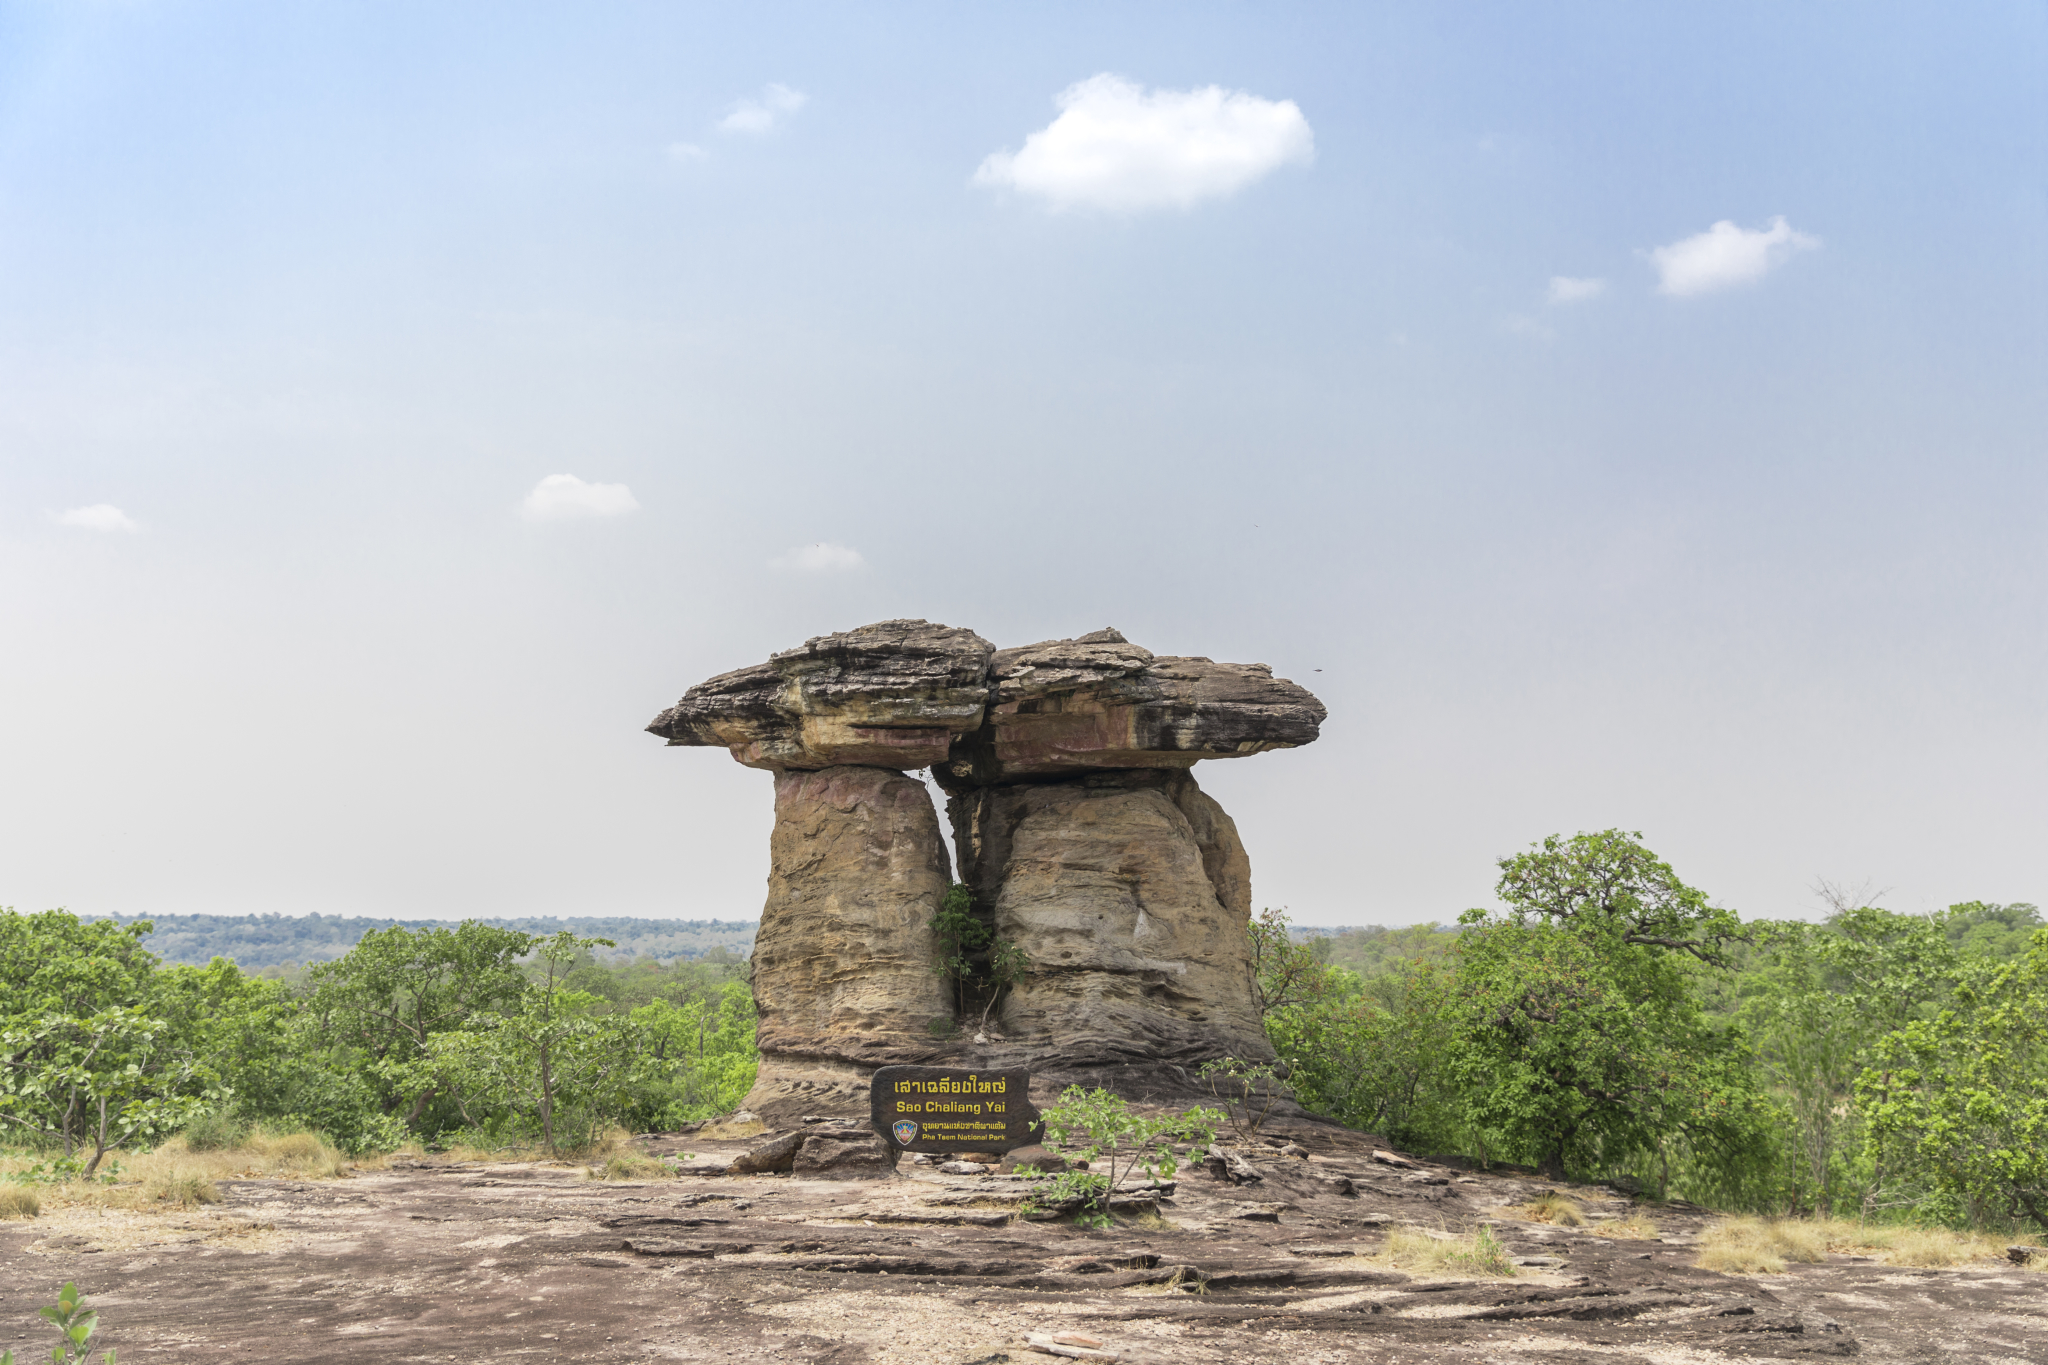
x=19 y=1201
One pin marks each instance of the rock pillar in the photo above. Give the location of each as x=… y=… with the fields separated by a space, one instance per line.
x=843 y=973
x=1132 y=915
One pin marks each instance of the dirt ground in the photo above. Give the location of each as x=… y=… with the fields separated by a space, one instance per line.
x=434 y=1260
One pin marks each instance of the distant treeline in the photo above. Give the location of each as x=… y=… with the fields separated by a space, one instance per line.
x=258 y=942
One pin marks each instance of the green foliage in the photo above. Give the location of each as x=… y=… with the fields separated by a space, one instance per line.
x=1373 y=1054
x=1957 y=1104
x=1099 y=1128
x=1373 y=951
x=75 y=1324
x=84 y=1064
x=282 y=946
x=551 y=1061
x=1284 y=972
x=971 y=955
x=1246 y=1090
x=398 y=989
x=699 y=1057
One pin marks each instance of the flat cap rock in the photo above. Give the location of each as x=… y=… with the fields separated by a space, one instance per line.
x=912 y=694
x=1067 y=706
x=891 y=695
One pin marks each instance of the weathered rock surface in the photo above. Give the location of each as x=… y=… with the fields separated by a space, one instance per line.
x=843 y=961
x=892 y=695
x=912 y=694
x=507 y=1260
x=1080 y=831
x=842 y=1154
x=1104 y=883
x=1064 y=707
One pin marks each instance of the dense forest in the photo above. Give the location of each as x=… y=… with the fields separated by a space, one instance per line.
x=1607 y=1022
x=1611 y=1021
x=279 y=943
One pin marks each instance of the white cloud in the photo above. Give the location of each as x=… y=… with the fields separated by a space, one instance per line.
x=1565 y=289
x=827 y=557
x=1116 y=147
x=761 y=115
x=685 y=151
x=1726 y=255
x=98 y=517
x=560 y=497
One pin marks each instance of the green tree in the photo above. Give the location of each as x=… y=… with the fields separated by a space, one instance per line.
x=83 y=1060
x=1579 y=1036
x=96 y=1083
x=700 y=1057
x=1284 y=973
x=397 y=989
x=558 y=1062
x=1957 y=1104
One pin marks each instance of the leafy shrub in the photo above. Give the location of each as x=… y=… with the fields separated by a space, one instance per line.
x=1100 y=1129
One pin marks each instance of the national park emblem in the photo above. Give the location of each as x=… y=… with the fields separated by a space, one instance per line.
x=906 y=1132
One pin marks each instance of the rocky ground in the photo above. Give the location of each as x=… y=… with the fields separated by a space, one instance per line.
x=434 y=1260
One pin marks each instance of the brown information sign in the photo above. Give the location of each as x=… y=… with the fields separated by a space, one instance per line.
x=953 y=1109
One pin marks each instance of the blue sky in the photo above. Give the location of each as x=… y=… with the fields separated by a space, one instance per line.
x=299 y=303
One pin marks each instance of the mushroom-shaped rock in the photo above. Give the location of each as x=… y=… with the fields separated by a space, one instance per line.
x=895 y=694
x=1063 y=707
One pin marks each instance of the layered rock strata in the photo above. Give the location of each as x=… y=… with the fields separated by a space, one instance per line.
x=1081 y=833
x=1138 y=950
x=842 y=966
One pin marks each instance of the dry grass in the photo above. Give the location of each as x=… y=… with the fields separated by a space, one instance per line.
x=175 y=1176
x=1637 y=1227
x=729 y=1130
x=1750 y=1246
x=632 y=1166
x=183 y=1189
x=1552 y=1207
x=19 y=1201
x=1424 y=1253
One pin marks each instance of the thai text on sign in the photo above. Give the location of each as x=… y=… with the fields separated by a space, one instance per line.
x=953 y=1109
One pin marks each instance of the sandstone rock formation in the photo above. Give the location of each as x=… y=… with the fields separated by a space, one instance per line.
x=1082 y=835
x=893 y=695
x=843 y=975
x=1104 y=882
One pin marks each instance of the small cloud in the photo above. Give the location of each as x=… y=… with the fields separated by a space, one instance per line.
x=1726 y=255
x=826 y=557
x=685 y=151
x=98 y=517
x=1515 y=324
x=761 y=115
x=1565 y=289
x=561 y=497
x=1116 y=147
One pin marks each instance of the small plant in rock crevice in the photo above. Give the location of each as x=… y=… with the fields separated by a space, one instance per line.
x=972 y=956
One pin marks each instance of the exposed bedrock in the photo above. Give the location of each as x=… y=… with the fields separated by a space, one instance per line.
x=843 y=973
x=1129 y=892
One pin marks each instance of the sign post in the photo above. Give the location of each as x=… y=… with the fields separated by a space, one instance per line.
x=952 y=1109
